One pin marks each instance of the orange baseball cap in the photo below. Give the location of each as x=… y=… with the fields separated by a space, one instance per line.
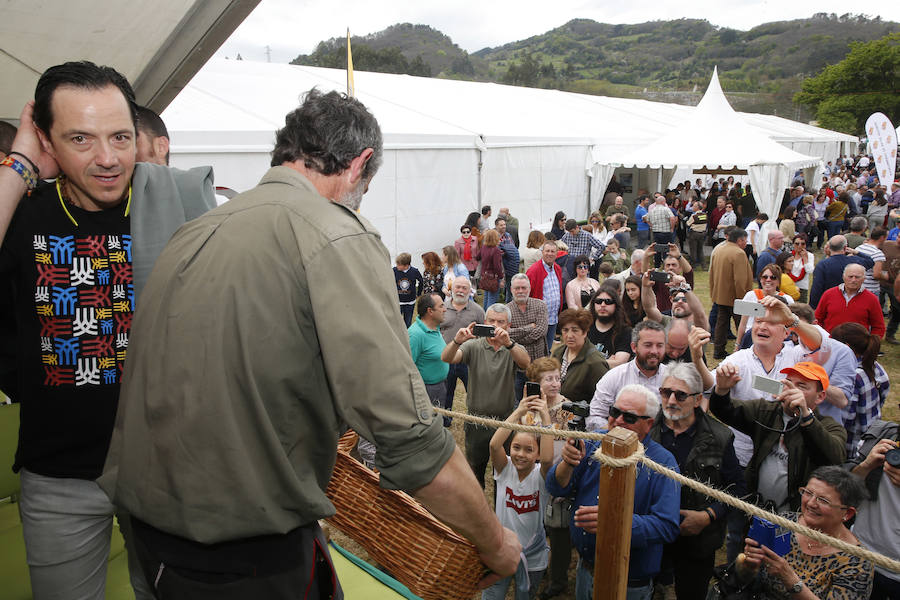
x=809 y=370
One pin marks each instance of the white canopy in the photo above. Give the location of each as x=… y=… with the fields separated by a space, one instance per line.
x=157 y=45
x=738 y=145
x=450 y=146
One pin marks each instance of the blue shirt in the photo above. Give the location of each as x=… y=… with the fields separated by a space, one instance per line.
x=639 y=213
x=552 y=296
x=657 y=500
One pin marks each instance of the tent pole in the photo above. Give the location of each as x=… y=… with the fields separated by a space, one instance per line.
x=659 y=187
x=480 y=177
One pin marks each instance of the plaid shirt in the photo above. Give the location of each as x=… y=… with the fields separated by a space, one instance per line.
x=532 y=338
x=660 y=216
x=581 y=243
x=551 y=294
x=864 y=405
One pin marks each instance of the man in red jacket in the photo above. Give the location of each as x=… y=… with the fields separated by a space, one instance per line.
x=849 y=302
x=548 y=289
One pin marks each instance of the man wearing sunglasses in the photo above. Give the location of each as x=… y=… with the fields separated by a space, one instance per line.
x=704 y=450
x=656 y=497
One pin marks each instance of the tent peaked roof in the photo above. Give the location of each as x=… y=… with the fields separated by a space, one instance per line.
x=712 y=136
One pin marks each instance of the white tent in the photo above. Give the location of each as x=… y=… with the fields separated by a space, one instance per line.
x=157 y=45
x=769 y=164
x=450 y=146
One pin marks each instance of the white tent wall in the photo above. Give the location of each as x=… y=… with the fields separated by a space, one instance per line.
x=420 y=198
x=536 y=181
x=768 y=182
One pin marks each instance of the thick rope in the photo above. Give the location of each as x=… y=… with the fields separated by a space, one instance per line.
x=638 y=456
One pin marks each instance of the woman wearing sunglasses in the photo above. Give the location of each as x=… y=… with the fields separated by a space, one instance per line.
x=804 y=263
x=582 y=287
x=769 y=285
x=813 y=569
x=582 y=365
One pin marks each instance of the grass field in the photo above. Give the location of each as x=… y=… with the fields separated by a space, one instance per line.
x=890 y=361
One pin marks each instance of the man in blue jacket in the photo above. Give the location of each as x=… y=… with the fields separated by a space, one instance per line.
x=829 y=273
x=656 y=498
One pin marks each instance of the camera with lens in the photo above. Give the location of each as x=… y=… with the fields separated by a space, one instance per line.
x=581 y=410
x=892 y=457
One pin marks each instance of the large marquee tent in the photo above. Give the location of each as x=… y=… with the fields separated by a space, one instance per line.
x=450 y=146
x=770 y=165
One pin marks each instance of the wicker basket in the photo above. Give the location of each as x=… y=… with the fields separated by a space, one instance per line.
x=425 y=555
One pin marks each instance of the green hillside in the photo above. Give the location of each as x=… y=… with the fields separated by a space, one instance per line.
x=760 y=69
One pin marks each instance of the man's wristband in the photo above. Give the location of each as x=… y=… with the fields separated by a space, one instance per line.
x=511 y=346
x=34 y=168
x=711 y=513
x=22 y=170
x=807 y=418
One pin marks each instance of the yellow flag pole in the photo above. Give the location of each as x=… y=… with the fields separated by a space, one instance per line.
x=351 y=91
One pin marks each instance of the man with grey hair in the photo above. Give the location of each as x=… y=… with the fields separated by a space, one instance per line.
x=492 y=359
x=648 y=343
x=238 y=384
x=857 y=233
x=527 y=323
x=656 y=497
x=829 y=273
x=635 y=269
x=704 y=450
x=461 y=310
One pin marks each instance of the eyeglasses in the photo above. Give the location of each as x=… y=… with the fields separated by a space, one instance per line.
x=583 y=267
x=679 y=395
x=606 y=301
x=772 y=277
x=679 y=299
x=467 y=231
x=822 y=501
x=628 y=417
x=594 y=222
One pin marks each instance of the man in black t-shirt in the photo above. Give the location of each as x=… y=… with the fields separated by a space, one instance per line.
x=67 y=253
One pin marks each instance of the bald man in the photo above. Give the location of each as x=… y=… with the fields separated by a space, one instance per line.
x=850 y=302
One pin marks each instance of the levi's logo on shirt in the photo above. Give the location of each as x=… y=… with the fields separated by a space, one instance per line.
x=522 y=504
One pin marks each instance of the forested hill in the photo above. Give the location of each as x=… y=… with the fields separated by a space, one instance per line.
x=760 y=69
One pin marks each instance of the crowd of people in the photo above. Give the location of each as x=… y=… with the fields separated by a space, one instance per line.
x=609 y=329
x=214 y=441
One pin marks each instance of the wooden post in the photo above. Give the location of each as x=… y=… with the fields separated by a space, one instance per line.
x=615 y=503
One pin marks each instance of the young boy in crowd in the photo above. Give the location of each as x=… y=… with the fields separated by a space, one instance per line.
x=409 y=285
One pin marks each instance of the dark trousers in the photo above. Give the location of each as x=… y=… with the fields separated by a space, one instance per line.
x=407 y=311
x=692 y=573
x=519 y=385
x=884 y=588
x=457 y=371
x=664 y=237
x=696 y=242
x=309 y=574
x=560 y=558
x=478 y=452
x=723 y=326
x=894 y=321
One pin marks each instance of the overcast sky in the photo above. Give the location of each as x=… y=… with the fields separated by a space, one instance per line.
x=292 y=27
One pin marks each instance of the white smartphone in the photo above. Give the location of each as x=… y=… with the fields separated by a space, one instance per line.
x=750 y=309
x=767 y=385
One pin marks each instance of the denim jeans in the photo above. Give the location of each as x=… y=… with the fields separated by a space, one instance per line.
x=643 y=238
x=498 y=590
x=490 y=298
x=457 y=371
x=67 y=525
x=551 y=333
x=584 y=586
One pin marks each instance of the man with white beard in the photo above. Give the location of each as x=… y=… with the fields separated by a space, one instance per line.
x=704 y=450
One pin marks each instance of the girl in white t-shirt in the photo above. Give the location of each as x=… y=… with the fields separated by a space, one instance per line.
x=521 y=494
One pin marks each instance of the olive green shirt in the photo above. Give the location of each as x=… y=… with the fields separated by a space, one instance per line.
x=266 y=326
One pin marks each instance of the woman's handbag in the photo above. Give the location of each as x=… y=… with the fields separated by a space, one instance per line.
x=489 y=281
x=559 y=513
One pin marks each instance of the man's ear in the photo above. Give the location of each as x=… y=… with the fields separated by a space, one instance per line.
x=161 y=146
x=45 y=142
x=358 y=165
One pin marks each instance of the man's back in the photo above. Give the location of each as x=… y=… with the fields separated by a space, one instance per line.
x=236 y=323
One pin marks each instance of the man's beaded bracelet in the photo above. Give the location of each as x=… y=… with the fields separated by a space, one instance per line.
x=22 y=170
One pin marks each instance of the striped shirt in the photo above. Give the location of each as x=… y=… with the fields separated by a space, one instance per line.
x=660 y=216
x=864 y=405
x=876 y=255
x=552 y=297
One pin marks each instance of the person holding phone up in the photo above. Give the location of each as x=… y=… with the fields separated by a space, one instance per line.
x=492 y=359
